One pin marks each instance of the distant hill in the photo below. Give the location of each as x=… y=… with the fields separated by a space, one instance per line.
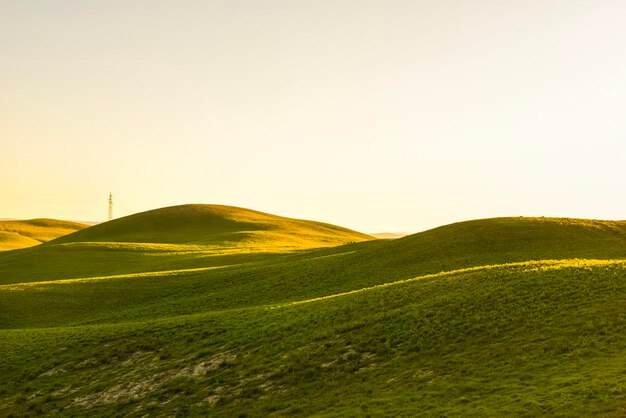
x=215 y=225
x=177 y=237
x=500 y=240
x=16 y=234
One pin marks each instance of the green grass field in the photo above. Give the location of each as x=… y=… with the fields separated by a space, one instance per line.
x=205 y=310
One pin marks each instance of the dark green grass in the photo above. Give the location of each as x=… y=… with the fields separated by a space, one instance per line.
x=517 y=340
x=271 y=279
x=80 y=260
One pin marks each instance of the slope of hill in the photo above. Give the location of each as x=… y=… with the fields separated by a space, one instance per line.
x=510 y=340
x=255 y=279
x=457 y=321
x=502 y=240
x=16 y=234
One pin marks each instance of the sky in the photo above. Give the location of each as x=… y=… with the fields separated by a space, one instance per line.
x=375 y=115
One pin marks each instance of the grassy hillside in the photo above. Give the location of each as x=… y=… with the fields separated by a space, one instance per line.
x=503 y=240
x=179 y=237
x=215 y=225
x=21 y=234
x=14 y=240
x=184 y=286
x=504 y=340
x=465 y=244
x=495 y=317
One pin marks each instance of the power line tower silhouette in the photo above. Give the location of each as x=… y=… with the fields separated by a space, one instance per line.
x=110 y=206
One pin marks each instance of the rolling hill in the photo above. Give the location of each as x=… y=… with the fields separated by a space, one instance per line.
x=502 y=240
x=179 y=237
x=493 y=317
x=215 y=225
x=16 y=234
x=260 y=278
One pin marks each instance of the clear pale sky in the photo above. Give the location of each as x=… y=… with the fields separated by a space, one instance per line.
x=375 y=115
